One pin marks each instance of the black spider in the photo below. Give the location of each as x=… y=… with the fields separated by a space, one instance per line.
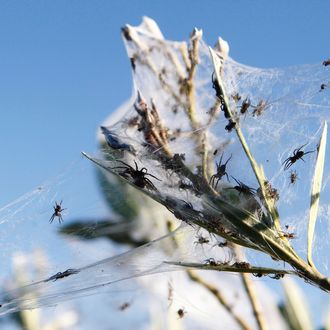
x=216 y=87
x=297 y=154
x=231 y=124
x=60 y=275
x=201 y=240
x=221 y=171
x=57 y=212
x=138 y=175
x=243 y=188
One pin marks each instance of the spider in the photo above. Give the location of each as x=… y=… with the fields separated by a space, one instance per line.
x=297 y=154
x=287 y=234
x=277 y=276
x=236 y=97
x=57 y=212
x=293 y=177
x=323 y=87
x=245 y=105
x=60 y=275
x=259 y=108
x=211 y=262
x=138 y=176
x=216 y=87
x=242 y=264
x=201 y=240
x=258 y=274
x=221 y=171
x=271 y=192
x=124 y=306
x=231 y=124
x=326 y=62
x=181 y=313
x=243 y=188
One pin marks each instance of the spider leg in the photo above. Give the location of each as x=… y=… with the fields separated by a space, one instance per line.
x=228 y=159
x=220 y=160
x=153 y=176
x=119 y=168
x=60 y=219
x=216 y=185
x=237 y=181
x=52 y=218
x=151 y=185
x=127 y=165
x=289 y=164
x=227 y=177
x=288 y=159
x=136 y=166
x=308 y=152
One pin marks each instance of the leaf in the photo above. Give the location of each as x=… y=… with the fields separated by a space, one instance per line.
x=120 y=232
x=315 y=196
x=295 y=308
x=118 y=196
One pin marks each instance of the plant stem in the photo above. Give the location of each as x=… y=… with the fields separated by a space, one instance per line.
x=221 y=299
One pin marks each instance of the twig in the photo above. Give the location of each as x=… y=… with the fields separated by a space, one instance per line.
x=194 y=60
x=221 y=299
x=250 y=291
x=258 y=171
x=211 y=288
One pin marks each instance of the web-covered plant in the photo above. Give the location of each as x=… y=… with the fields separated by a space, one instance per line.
x=235 y=153
x=224 y=161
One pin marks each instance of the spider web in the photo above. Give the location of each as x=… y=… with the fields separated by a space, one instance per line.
x=296 y=110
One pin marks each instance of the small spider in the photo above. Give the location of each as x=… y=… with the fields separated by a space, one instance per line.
x=138 y=176
x=221 y=171
x=271 y=192
x=124 y=306
x=277 y=276
x=57 y=212
x=221 y=244
x=259 y=108
x=258 y=274
x=287 y=234
x=242 y=264
x=326 y=62
x=231 y=124
x=60 y=275
x=323 y=87
x=211 y=262
x=243 y=188
x=293 y=177
x=202 y=240
x=216 y=86
x=297 y=154
x=236 y=97
x=181 y=313
x=245 y=105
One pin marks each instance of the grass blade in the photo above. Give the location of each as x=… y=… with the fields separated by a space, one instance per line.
x=315 y=196
x=295 y=309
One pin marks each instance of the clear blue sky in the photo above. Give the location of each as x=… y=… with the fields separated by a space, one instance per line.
x=63 y=66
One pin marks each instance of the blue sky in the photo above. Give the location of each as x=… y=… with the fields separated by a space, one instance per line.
x=63 y=66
